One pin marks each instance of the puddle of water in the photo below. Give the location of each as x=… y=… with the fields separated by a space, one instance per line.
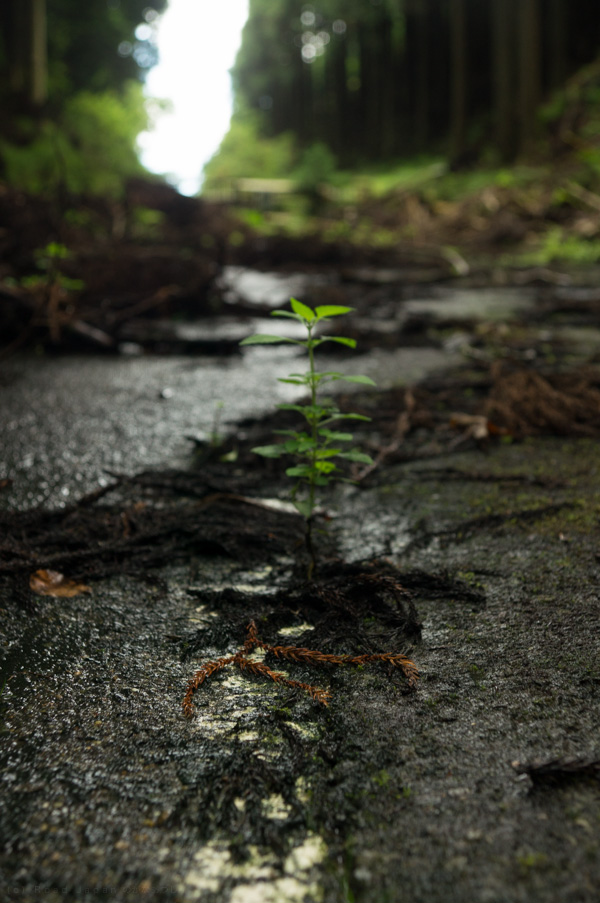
x=494 y=304
x=66 y=420
x=266 y=289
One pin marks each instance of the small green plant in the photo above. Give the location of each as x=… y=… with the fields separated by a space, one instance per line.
x=314 y=447
x=48 y=261
x=51 y=289
x=216 y=437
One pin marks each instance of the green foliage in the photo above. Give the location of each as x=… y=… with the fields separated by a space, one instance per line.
x=558 y=244
x=266 y=49
x=92 y=45
x=399 y=175
x=314 y=447
x=48 y=263
x=337 y=71
x=456 y=186
x=96 y=56
x=89 y=149
x=244 y=153
x=146 y=223
x=317 y=169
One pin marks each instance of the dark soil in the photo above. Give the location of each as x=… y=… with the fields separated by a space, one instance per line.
x=122 y=268
x=479 y=783
x=470 y=548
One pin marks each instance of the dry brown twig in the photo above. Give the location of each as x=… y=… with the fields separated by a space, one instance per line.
x=403 y=427
x=293 y=654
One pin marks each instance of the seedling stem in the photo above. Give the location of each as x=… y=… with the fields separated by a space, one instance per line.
x=313 y=449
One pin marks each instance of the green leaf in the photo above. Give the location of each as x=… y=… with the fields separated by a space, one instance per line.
x=336 y=437
x=356 y=455
x=286 y=313
x=269 y=451
x=307 y=313
x=292 y=382
x=260 y=339
x=311 y=413
x=350 y=417
x=325 y=467
x=331 y=310
x=318 y=410
x=327 y=452
x=300 y=470
x=304 y=507
x=362 y=380
x=299 y=446
x=342 y=340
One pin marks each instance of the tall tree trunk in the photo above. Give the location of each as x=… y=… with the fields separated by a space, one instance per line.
x=404 y=91
x=458 y=76
x=504 y=82
x=388 y=123
x=365 y=110
x=422 y=111
x=38 y=84
x=530 y=69
x=27 y=52
x=340 y=98
x=557 y=43
x=374 y=68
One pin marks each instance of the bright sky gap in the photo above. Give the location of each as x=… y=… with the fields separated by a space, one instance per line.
x=197 y=44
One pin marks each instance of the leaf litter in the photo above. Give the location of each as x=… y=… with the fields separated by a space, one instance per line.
x=53 y=583
x=348 y=618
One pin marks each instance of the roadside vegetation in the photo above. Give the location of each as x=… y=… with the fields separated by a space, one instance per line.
x=538 y=208
x=544 y=208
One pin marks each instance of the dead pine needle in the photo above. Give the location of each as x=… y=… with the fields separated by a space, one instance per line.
x=298 y=654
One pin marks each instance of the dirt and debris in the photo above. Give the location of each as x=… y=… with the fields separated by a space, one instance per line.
x=144 y=520
x=489 y=586
x=243 y=660
x=471 y=548
x=103 y=540
x=95 y=274
x=558 y=771
x=526 y=402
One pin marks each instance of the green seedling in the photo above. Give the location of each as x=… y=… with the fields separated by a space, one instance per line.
x=216 y=437
x=317 y=445
x=48 y=262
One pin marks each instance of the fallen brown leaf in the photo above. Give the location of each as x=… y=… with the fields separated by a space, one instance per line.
x=53 y=583
x=476 y=426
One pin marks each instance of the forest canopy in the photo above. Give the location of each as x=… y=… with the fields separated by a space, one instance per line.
x=381 y=79
x=71 y=87
x=52 y=48
x=346 y=82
